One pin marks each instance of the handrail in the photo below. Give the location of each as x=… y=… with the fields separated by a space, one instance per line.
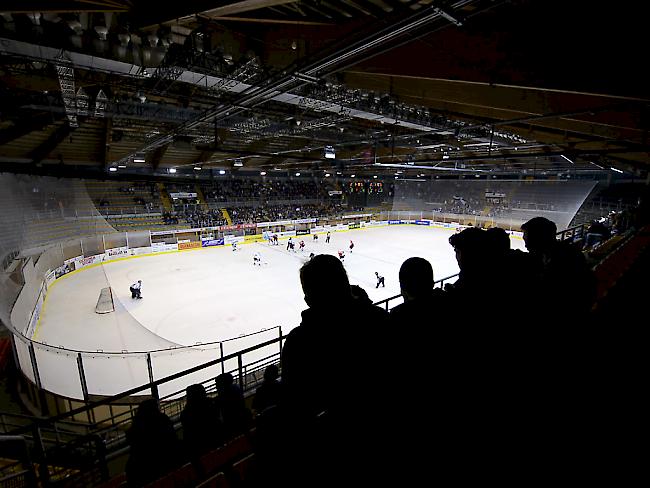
x=572 y=232
x=155 y=383
x=386 y=300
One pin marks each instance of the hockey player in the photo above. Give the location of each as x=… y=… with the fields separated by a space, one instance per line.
x=351 y=246
x=301 y=245
x=289 y=244
x=275 y=240
x=327 y=239
x=257 y=259
x=136 y=289
x=234 y=246
x=342 y=255
x=315 y=239
x=311 y=255
x=380 y=280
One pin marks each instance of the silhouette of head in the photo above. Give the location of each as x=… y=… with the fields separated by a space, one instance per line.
x=470 y=246
x=195 y=394
x=539 y=234
x=415 y=278
x=223 y=381
x=147 y=410
x=324 y=280
x=271 y=373
x=359 y=293
x=498 y=240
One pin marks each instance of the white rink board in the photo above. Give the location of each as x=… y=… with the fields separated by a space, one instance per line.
x=213 y=294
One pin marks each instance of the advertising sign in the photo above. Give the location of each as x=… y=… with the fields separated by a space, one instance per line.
x=161 y=246
x=212 y=242
x=97 y=258
x=117 y=252
x=183 y=194
x=189 y=245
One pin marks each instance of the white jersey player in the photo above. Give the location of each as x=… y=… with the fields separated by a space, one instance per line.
x=257 y=259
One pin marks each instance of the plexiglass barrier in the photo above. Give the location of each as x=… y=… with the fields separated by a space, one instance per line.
x=507 y=203
x=49 y=228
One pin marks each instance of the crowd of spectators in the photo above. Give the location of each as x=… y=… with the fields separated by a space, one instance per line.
x=170 y=219
x=495 y=386
x=265 y=190
x=194 y=216
x=207 y=423
x=274 y=213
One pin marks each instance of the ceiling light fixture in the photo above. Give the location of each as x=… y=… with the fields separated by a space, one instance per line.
x=297 y=174
x=615 y=169
x=222 y=172
x=262 y=173
x=197 y=168
x=112 y=169
x=352 y=176
x=327 y=175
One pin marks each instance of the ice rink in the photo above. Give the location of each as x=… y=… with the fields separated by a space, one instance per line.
x=214 y=294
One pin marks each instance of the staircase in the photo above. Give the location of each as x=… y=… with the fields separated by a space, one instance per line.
x=200 y=198
x=226 y=215
x=164 y=197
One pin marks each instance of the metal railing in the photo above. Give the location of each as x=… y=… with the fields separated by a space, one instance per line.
x=436 y=284
x=573 y=234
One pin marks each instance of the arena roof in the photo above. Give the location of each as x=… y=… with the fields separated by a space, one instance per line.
x=424 y=86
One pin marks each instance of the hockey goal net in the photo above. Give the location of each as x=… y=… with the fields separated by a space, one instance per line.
x=105 y=301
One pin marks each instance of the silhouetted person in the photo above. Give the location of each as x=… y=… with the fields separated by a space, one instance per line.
x=420 y=298
x=268 y=429
x=515 y=274
x=329 y=415
x=477 y=272
x=268 y=393
x=230 y=404
x=154 y=446
x=202 y=429
x=596 y=233
x=567 y=284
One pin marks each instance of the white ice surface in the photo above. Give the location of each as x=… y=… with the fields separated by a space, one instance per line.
x=210 y=294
